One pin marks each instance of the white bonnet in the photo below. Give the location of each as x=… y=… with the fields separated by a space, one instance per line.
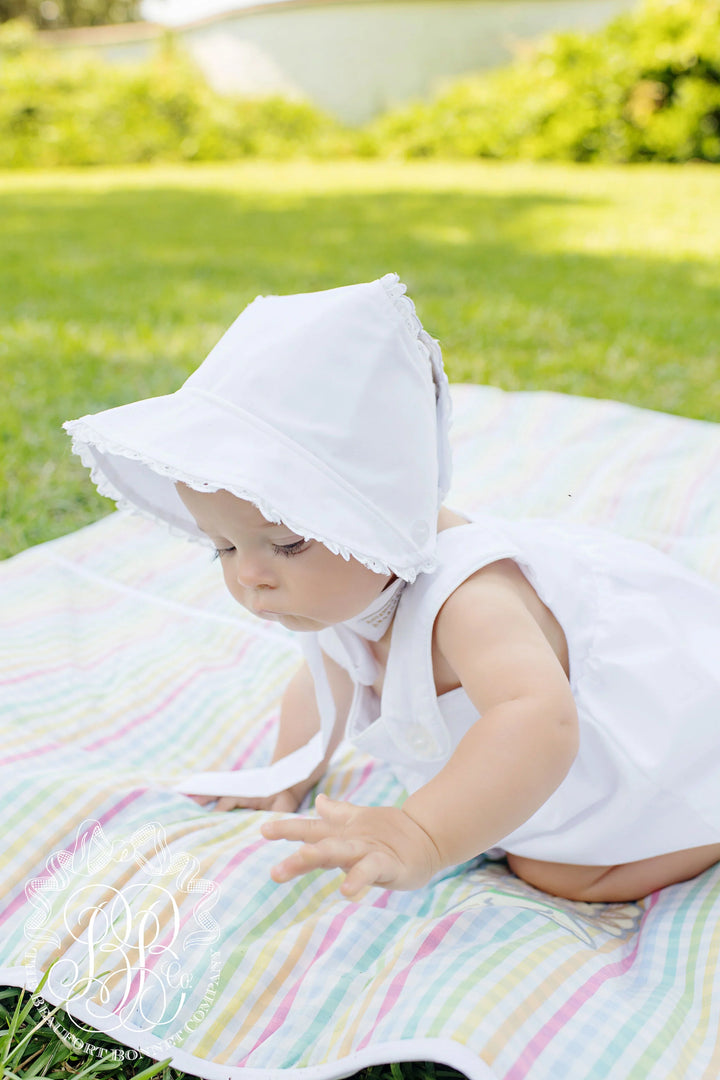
x=328 y=410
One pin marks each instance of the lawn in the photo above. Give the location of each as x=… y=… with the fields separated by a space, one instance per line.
x=116 y=283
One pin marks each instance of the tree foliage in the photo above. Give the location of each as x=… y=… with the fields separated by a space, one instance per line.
x=59 y=14
x=60 y=109
x=645 y=87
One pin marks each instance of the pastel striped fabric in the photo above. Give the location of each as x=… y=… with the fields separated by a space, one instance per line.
x=124 y=666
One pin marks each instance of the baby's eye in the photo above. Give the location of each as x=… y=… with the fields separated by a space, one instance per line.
x=289 y=549
x=219 y=552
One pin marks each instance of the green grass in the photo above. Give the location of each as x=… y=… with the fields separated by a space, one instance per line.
x=115 y=284
x=30 y=1048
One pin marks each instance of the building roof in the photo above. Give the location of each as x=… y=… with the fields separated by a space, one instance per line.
x=103 y=35
x=253 y=7
x=118 y=33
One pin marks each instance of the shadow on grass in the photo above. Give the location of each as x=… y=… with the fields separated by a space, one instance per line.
x=113 y=296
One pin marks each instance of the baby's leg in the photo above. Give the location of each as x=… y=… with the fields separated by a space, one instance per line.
x=604 y=884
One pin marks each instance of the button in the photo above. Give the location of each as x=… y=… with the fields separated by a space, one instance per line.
x=419 y=739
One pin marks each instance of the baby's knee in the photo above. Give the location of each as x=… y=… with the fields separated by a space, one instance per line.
x=560 y=879
x=615 y=884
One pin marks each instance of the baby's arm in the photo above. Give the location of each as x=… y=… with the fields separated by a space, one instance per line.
x=502 y=771
x=299 y=721
x=522 y=747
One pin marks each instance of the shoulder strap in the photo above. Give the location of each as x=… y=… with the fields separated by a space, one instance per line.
x=410 y=706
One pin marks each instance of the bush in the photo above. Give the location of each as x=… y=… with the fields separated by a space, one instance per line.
x=646 y=87
x=75 y=110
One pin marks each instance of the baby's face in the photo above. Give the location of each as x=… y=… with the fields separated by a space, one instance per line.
x=276 y=574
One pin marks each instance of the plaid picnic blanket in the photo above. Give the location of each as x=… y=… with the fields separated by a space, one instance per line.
x=124 y=666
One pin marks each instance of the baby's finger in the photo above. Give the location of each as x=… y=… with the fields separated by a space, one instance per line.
x=309 y=830
x=329 y=854
x=230 y=802
x=284 y=803
x=372 y=869
x=202 y=800
x=333 y=811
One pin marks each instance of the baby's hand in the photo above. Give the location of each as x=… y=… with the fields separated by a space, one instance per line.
x=286 y=802
x=376 y=845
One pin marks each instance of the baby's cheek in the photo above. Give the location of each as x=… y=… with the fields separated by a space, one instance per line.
x=232 y=586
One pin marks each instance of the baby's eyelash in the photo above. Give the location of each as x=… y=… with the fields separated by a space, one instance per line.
x=219 y=552
x=289 y=549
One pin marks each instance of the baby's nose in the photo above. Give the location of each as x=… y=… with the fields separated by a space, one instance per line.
x=251 y=572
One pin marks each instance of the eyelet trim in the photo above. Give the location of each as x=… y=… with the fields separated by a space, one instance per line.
x=429 y=349
x=84 y=438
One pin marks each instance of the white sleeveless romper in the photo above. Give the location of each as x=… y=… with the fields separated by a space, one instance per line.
x=643 y=636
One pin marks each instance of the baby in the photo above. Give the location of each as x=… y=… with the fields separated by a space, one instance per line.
x=547 y=690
